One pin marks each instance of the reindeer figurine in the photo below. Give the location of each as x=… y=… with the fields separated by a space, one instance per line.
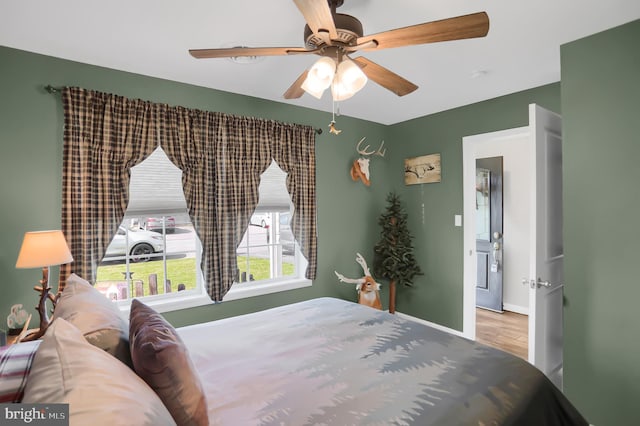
x=360 y=167
x=368 y=289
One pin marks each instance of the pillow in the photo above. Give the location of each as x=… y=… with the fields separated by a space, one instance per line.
x=99 y=389
x=15 y=363
x=160 y=357
x=98 y=318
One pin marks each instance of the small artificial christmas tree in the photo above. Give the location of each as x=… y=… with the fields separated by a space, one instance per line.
x=393 y=255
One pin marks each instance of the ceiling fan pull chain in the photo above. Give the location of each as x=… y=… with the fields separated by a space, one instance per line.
x=334 y=104
x=332 y=125
x=333 y=99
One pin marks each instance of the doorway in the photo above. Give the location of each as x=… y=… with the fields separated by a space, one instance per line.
x=511 y=146
x=533 y=249
x=509 y=170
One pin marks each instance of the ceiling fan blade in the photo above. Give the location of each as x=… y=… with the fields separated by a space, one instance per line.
x=296 y=91
x=461 y=27
x=318 y=16
x=385 y=78
x=246 y=51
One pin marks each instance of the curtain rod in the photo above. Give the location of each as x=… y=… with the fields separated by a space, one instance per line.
x=49 y=88
x=53 y=90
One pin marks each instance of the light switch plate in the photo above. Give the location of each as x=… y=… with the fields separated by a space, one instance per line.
x=458 y=220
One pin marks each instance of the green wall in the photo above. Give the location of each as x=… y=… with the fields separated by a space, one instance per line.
x=437 y=295
x=30 y=171
x=601 y=120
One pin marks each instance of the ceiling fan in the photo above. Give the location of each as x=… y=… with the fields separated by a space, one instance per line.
x=335 y=36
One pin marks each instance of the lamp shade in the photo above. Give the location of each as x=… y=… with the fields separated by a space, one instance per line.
x=348 y=81
x=319 y=77
x=43 y=248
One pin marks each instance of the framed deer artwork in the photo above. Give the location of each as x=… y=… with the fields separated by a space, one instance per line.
x=424 y=169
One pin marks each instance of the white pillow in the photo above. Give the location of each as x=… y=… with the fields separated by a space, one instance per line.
x=99 y=389
x=98 y=318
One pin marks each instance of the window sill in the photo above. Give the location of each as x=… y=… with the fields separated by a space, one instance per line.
x=244 y=290
x=168 y=304
x=238 y=291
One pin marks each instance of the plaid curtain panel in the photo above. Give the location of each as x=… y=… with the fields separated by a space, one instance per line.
x=221 y=157
x=104 y=136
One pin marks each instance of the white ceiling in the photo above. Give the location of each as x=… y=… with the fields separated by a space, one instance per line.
x=151 y=37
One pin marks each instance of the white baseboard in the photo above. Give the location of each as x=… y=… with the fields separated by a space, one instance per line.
x=524 y=310
x=430 y=324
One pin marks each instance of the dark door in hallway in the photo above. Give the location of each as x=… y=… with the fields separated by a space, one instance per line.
x=489 y=233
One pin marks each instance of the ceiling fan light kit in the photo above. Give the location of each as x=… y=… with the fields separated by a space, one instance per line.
x=345 y=80
x=336 y=35
x=348 y=81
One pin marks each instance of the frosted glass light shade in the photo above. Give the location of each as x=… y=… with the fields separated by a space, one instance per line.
x=348 y=81
x=43 y=248
x=319 y=77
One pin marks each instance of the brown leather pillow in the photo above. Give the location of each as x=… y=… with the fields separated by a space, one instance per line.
x=161 y=359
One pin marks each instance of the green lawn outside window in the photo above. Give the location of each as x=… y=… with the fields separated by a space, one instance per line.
x=180 y=271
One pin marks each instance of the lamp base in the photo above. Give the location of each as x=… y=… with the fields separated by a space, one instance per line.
x=44 y=290
x=31 y=335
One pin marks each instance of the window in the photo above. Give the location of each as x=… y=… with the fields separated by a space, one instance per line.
x=157 y=264
x=155 y=253
x=268 y=257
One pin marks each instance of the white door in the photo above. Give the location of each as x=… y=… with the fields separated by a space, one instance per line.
x=546 y=267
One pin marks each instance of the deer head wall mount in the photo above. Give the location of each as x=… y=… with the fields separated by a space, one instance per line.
x=360 y=167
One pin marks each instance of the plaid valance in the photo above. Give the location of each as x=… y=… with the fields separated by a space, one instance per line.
x=221 y=157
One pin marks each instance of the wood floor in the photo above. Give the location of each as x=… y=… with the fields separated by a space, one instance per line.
x=507 y=331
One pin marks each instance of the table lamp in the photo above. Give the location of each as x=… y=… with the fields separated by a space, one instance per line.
x=43 y=249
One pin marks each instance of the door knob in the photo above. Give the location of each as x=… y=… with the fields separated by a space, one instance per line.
x=497 y=235
x=533 y=284
x=541 y=283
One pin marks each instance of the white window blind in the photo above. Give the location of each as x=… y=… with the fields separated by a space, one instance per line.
x=273 y=191
x=156 y=186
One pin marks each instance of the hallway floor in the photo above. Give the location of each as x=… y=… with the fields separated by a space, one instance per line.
x=507 y=331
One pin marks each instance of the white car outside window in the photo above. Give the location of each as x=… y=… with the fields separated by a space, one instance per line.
x=138 y=243
x=261 y=219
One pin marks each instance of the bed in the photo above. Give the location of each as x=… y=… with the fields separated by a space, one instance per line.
x=324 y=361
x=329 y=361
